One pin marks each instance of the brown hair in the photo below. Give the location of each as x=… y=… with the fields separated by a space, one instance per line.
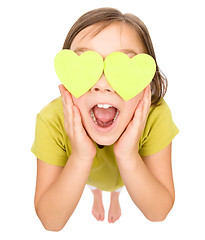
x=106 y=16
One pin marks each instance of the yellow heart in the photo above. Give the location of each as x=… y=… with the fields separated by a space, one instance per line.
x=129 y=76
x=78 y=73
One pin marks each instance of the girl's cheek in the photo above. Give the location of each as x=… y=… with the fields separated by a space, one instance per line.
x=134 y=101
x=140 y=95
x=76 y=101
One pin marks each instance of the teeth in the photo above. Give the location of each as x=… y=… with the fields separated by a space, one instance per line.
x=104 y=106
x=93 y=116
x=117 y=113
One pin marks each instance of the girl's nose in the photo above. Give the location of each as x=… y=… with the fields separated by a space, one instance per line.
x=102 y=85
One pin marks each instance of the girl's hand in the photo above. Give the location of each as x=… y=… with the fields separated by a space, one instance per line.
x=82 y=146
x=127 y=145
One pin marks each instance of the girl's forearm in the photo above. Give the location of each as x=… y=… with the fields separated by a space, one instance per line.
x=148 y=194
x=59 y=202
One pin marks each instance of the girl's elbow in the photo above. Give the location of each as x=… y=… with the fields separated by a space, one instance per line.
x=162 y=214
x=51 y=225
x=53 y=228
x=157 y=218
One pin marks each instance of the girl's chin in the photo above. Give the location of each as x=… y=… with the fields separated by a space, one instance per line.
x=104 y=141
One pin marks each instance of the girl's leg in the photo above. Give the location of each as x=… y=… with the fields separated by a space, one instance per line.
x=115 y=209
x=98 y=208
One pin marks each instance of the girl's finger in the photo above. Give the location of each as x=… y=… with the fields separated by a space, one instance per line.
x=67 y=109
x=67 y=100
x=77 y=122
x=147 y=101
x=65 y=94
x=61 y=89
x=142 y=109
x=147 y=93
x=138 y=114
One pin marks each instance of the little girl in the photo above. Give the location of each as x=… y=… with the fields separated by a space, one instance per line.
x=102 y=140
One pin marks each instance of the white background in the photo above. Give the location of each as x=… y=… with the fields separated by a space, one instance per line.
x=31 y=34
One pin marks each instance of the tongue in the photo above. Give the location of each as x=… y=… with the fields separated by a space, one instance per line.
x=104 y=117
x=103 y=124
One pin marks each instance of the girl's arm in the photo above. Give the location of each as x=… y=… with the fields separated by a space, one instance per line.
x=149 y=179
x=150 y=184
x=59 y=189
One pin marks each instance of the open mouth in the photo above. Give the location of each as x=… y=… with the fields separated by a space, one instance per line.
x=104 y=115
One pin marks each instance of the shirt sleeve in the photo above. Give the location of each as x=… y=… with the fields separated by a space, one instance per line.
x=159 y=130
x=48 y=145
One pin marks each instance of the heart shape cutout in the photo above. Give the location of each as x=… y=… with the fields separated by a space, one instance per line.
x=129 y=76
x=78 y=73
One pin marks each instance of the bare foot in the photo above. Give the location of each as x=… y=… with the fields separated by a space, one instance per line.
x=115 y=210
x=98 y=210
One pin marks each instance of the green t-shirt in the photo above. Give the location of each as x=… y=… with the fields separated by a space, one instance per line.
x=52 y=144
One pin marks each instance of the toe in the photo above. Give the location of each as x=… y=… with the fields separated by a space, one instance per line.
x=102 y=217
x=112 y=219
x=96 y=215
x=115 y=219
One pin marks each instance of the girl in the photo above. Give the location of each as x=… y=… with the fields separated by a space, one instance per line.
x=102 y=140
